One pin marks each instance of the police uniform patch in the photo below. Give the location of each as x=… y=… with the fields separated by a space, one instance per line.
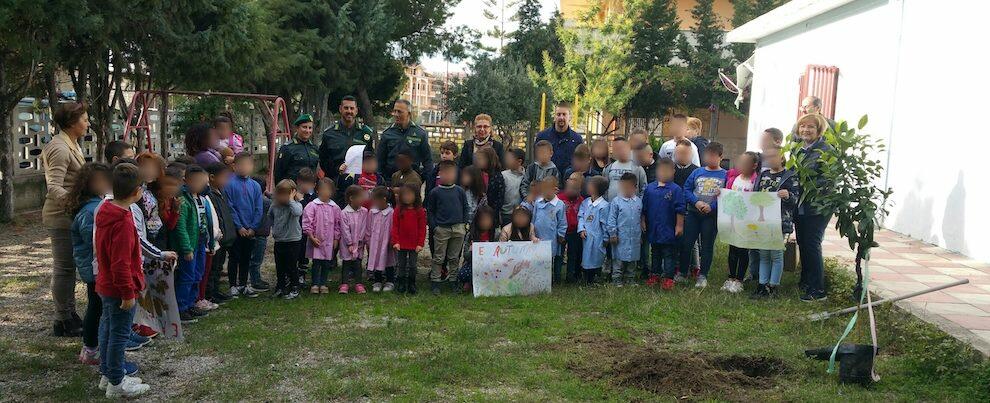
x=367 y=137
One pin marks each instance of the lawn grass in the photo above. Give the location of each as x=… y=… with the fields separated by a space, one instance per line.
x=455 y=347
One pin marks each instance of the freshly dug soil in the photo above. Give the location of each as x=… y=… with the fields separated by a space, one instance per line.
x=680 y=374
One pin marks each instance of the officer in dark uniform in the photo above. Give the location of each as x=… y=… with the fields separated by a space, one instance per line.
x=404 y=135
x=345 y=133
x=300 y=153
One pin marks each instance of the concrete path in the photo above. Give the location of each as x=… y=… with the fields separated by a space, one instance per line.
x=901 y=265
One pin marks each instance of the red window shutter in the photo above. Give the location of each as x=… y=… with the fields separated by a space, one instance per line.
x=822 y=82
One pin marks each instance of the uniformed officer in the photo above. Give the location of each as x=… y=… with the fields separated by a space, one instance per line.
x=345 y=133
x=300 y=153
x=404 y=135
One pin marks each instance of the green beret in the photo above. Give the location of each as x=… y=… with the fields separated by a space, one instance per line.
x=302 y=119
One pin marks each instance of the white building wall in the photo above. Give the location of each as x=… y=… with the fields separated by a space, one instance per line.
x=914 y=67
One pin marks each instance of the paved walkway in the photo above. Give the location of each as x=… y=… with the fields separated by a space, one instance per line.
x=902 y=265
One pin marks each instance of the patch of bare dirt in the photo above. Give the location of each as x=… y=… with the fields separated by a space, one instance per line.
x=682 y=374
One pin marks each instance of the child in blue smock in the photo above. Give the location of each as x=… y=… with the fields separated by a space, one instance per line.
x=663 y=212
x=550 y=221
x=591 y=226
x=625 y=230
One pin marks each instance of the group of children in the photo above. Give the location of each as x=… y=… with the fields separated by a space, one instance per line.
x=140 y=212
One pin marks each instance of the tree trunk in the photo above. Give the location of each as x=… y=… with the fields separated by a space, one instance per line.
x=163 y=138
x=364 y=104
x=6 y=163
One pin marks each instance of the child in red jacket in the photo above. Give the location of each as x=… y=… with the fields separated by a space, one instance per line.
x=571 y=196
x=119 y=279
x=408 y=235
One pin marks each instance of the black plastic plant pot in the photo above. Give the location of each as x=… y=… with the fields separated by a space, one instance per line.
x=855 y=362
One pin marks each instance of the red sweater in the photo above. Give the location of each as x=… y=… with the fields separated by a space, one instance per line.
x=408 y=227
x=118 y=253
x=572 y=207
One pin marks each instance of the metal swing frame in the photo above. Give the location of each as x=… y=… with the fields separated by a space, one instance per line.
x=275 y=108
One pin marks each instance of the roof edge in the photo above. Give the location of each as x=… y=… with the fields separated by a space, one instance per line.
x=783 y=17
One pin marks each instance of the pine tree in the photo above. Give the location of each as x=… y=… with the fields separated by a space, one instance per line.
x=704 y=56
x=500 y=13
x=655 y=33
x=534 y=37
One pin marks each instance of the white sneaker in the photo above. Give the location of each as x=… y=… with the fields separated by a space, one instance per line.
x=376 y=287
x=205 y=305
x=235 y=292
x=104 y=381
x=701 y=283
x=388 y=287
x=737 y=286
x=249 y=292
x=126 y=389
x=727 y=285
x=678 y=278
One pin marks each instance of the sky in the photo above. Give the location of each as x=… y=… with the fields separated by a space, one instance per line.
x=469 y=12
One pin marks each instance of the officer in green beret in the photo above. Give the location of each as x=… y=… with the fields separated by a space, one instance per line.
x=298 y=154
x=345 y=133
x=404 y=135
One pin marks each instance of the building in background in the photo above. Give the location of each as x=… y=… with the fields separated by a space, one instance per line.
x=574 y=9
x=425 y=90
x=925 y=108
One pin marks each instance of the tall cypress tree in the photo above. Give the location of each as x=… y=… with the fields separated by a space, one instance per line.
x=704 y=56
x=654 y=40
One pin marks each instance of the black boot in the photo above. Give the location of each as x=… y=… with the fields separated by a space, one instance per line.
x=400 y=286
x=411 y=287
x=65 y=328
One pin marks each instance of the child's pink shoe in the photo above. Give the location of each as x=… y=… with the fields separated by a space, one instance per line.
x=343 y=289
x=89 y=357
x=360 y=288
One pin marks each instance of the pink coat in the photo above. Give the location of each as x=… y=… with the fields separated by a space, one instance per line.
x=321 y=220
x=353 y=232
x=380 y=252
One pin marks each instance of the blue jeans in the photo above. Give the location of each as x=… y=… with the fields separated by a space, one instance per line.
x=257 y=258
x=809 y=233
x=320 y=271
x=663 y=259
x=115 y=329
x=771 y=266
x=187 y=278
x=704 y=226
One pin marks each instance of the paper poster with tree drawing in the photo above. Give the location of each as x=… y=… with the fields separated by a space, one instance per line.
x=157 y=307
x=750 y=220
x=510 y=268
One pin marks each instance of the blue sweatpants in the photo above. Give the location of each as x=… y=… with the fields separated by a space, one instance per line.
x=187 y=278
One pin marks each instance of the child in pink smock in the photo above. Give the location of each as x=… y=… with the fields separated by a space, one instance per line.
x=321 y=226
x=381 y=257
x=353 y=238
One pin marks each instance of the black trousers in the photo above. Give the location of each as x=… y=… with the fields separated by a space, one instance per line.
x=240 y=261
x=213 y=282
x=406 y=263
x=738 y=262
x=91 y=320
x=574 y=248
x=286 y=269
x=590 y=274
x=350 y=271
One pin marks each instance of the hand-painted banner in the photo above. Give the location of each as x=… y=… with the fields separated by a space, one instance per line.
x=157 y=308
x=750 y=220
x=510 y=268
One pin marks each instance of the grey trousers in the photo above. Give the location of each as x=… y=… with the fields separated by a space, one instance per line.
x=447 y=244
x=63 y=274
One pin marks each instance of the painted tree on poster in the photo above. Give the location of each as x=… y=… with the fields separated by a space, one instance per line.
x=734 y=206
x=762 y=200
